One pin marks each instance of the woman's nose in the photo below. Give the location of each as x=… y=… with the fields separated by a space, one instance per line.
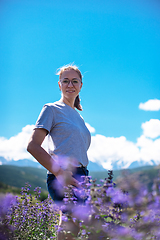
x=70 y=84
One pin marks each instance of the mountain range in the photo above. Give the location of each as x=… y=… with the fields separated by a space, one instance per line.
x=93 y=167
x=13 y=178
x=29 y=163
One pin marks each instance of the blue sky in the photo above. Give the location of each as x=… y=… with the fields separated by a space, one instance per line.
x=115 y=43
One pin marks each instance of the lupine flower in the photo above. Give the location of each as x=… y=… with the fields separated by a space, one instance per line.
x=81 y=212
x=6 y=202
x=64 y=218
x=124 y=211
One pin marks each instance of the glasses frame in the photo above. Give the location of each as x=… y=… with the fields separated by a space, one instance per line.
x=74 y=84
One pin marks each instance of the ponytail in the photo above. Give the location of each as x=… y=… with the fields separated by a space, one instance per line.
x=77 y=103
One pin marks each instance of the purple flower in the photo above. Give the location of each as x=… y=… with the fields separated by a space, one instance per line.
x=64 y=218
x=83 y=232
x=81 y=212
x=6 y=203
x=117 y=195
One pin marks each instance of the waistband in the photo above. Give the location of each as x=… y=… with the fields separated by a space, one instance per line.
x=81 y=167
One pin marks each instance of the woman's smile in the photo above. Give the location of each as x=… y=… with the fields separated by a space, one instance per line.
x=70 y=91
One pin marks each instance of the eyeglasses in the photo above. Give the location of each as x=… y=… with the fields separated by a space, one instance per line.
x=74 y=81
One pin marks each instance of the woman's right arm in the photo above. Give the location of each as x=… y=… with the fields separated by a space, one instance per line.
x=35 y=149
x=39 y=153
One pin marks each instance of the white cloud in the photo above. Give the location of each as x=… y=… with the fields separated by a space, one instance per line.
x=151 y=128
x=121 y=153
x=90 y=128
x=150 y=105
x=107 y=151
x=149 y=149
x=15 y=147
x=111 y=152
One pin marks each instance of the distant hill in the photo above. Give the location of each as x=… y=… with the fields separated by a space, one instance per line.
x=18 y=176
x=20 y=163
x=118 y=173
x=4 y=188
x=29 y=163
x=92 y=166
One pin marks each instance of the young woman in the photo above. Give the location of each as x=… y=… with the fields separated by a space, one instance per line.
x=68 y=139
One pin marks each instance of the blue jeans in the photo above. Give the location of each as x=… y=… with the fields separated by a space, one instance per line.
x=55 y=191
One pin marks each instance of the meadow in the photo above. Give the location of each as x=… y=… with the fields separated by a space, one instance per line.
x=126 y=210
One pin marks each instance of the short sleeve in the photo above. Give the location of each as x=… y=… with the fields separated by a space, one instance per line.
x=46 y=118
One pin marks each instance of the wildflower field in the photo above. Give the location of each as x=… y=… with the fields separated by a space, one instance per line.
x=123 y=211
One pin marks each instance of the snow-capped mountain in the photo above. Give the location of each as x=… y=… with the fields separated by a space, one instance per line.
x=93 y=166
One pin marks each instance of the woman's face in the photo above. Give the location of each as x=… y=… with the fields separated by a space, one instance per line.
x=70 y=84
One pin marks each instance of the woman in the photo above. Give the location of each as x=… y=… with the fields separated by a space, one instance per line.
x=68 y=139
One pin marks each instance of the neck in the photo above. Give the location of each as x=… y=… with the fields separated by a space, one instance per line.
x=68 y=102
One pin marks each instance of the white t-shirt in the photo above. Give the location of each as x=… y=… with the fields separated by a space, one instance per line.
x=68 y=135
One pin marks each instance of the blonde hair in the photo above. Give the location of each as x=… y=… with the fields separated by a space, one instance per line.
x=69 y=67
x=75 y=68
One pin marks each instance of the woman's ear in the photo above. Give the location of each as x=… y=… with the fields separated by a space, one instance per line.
x=81 y=85
x=59 y=85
